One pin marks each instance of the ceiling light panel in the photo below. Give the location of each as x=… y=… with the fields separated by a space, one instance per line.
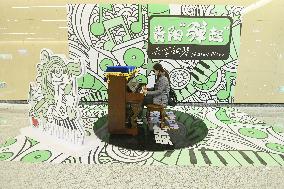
x=33 y=20
x=20 y=7
x=15 y=33
x=49 y=6
x=51 y=20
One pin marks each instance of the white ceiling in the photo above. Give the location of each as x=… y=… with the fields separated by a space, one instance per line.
x=42 y=20
x=30 y=20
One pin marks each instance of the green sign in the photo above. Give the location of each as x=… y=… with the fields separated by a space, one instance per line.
x=190 y=30
x=189 y=38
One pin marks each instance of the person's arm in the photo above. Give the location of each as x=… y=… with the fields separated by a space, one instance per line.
x=161 y=87
x=151 y=89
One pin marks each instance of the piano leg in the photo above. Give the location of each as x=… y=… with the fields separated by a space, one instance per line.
x=136 y=110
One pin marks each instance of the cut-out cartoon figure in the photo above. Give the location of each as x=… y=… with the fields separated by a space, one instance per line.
x=54 y=99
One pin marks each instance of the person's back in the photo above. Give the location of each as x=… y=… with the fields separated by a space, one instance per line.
x=161 y=92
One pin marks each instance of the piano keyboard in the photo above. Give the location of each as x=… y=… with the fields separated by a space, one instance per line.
x=200 y=75
x=220 y=158
x=68 y=130
x=203 y=70
x=68 y=124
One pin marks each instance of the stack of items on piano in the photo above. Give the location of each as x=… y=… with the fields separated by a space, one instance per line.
x=170 y=120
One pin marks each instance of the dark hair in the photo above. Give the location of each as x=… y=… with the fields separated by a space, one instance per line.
x=160 y=68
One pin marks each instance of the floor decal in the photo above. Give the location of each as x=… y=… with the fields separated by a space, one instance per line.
x=234 y=139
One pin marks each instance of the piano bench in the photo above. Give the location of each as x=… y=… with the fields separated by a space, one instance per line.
x=156 y=107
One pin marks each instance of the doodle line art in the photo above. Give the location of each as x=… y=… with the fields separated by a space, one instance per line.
x=122 y=38
x=234 y=139
x=54 y=98
x=102 y=35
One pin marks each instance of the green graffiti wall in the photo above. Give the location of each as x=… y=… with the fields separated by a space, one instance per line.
x=199 y=46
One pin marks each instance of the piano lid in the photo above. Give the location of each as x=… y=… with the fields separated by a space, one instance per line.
x=121 y=69
x=126 y=71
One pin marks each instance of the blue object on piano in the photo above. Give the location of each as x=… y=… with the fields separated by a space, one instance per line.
x=121 y=69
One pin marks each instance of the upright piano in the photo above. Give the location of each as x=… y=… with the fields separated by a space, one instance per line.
x=124 y=99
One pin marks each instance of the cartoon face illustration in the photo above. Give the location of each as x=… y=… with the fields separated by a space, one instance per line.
x=57 y=71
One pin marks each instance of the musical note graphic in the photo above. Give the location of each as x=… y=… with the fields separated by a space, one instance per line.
x=136 y=27
x=97 y=28
x=112 y=23
x=226 y=93
x=113 y=44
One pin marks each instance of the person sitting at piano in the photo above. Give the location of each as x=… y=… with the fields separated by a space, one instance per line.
x=160 y=93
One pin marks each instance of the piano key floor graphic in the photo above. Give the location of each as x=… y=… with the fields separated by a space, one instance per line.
x=233 y=139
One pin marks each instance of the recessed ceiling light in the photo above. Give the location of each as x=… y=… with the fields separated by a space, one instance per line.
x=6 y=56
x=22 y=51
x=3 y=28
x=39 y=38
x=54 y=20
x=19 y=33
x=50 y=6
x=12 y=20
x=20 y=7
